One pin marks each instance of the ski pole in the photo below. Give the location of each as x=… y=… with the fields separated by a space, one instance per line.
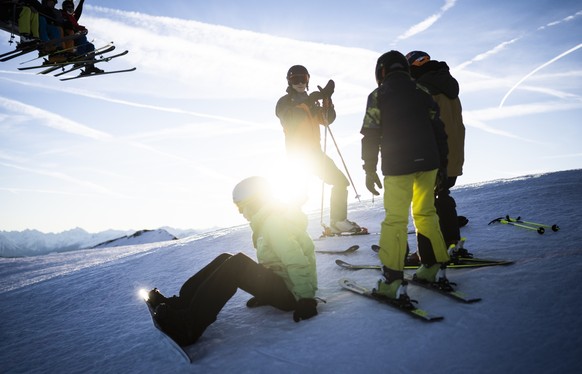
x=554 y=227
x=322 y=182
x=326 y=105
x=540 y=230
x=344 y=163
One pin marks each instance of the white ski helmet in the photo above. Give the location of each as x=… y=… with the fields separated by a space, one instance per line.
x=250 y=189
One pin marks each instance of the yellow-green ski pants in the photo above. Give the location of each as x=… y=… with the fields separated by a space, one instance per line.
x=399 y=193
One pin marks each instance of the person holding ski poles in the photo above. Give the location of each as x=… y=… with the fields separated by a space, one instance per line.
x=301 y=116
x=402 y=124
x=284 y=277
x=444 y=88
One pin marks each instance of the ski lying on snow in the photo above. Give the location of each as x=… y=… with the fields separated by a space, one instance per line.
x=460 y=262
x=404 y=306
x=347 y=265
x=351 y=249
x=167 y=338
x=454 y=294
x=462 y=265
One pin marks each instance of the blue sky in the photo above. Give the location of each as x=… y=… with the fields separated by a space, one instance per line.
x=163 y=146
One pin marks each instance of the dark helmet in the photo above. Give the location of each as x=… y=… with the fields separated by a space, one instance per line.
x=390 y=62
x=297 y=70
x=68 y=4
x=296 y=74
x=417 y=58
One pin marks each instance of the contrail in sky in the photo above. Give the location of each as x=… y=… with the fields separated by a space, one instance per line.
x=426 y=23
x=536 y=70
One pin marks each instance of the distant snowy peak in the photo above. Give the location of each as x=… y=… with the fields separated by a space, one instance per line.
x=7 y=247
x=139 y=237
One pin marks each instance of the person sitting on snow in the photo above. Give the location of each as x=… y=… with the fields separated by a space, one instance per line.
x=285 y=276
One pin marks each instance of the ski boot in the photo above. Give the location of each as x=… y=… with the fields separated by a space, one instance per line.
x=458 y=251
x=392 y=285
x=346 y=226
x=435 y=275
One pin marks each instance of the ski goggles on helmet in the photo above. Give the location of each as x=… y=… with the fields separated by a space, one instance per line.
x=299 y=79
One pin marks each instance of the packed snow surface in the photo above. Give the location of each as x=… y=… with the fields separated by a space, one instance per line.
x=80 y=311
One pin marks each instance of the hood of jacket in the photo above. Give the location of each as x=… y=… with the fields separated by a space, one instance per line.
x=436 y=77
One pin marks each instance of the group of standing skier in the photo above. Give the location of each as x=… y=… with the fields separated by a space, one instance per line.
x=412 y=125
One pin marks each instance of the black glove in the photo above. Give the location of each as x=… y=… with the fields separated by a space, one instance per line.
x=305 y=309
x=372 y=180
x=441 y=180
x=327 y=91
x=315 y=96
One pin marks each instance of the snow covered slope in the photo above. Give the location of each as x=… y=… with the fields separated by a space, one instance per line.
x=80 y=311
x=139 y=237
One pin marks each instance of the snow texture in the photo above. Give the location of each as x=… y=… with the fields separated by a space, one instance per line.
x=80 y=311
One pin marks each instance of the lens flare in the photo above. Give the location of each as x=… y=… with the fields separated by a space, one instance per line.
x=143 y=293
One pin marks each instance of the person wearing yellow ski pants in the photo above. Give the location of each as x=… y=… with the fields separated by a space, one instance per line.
x=399 y=193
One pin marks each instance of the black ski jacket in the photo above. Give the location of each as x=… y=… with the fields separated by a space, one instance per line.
x=402 y=122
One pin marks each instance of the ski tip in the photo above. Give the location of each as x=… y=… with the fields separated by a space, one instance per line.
x=345 y=281
x=342 y=263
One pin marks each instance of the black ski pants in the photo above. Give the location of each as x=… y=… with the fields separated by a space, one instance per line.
x=447 y=211
x=203 y=296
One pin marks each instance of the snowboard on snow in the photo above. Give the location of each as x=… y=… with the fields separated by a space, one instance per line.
x=166 y=337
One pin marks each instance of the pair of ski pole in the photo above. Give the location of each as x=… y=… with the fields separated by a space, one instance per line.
x=540 y=228
x=331 y=84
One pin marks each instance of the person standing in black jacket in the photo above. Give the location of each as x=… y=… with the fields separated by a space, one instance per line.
x=436 y=77
x=402 y=124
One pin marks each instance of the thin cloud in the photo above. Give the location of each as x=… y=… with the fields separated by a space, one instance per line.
x=479 y=118
x=565 y=19
x=61 y=176
x=536 y=70
x=52 y=120
x=493 y=51
x=426 y=23
x=16 y=191
x=469 y=121
x=556 y=157
x=489 y=114
x=165 y=109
